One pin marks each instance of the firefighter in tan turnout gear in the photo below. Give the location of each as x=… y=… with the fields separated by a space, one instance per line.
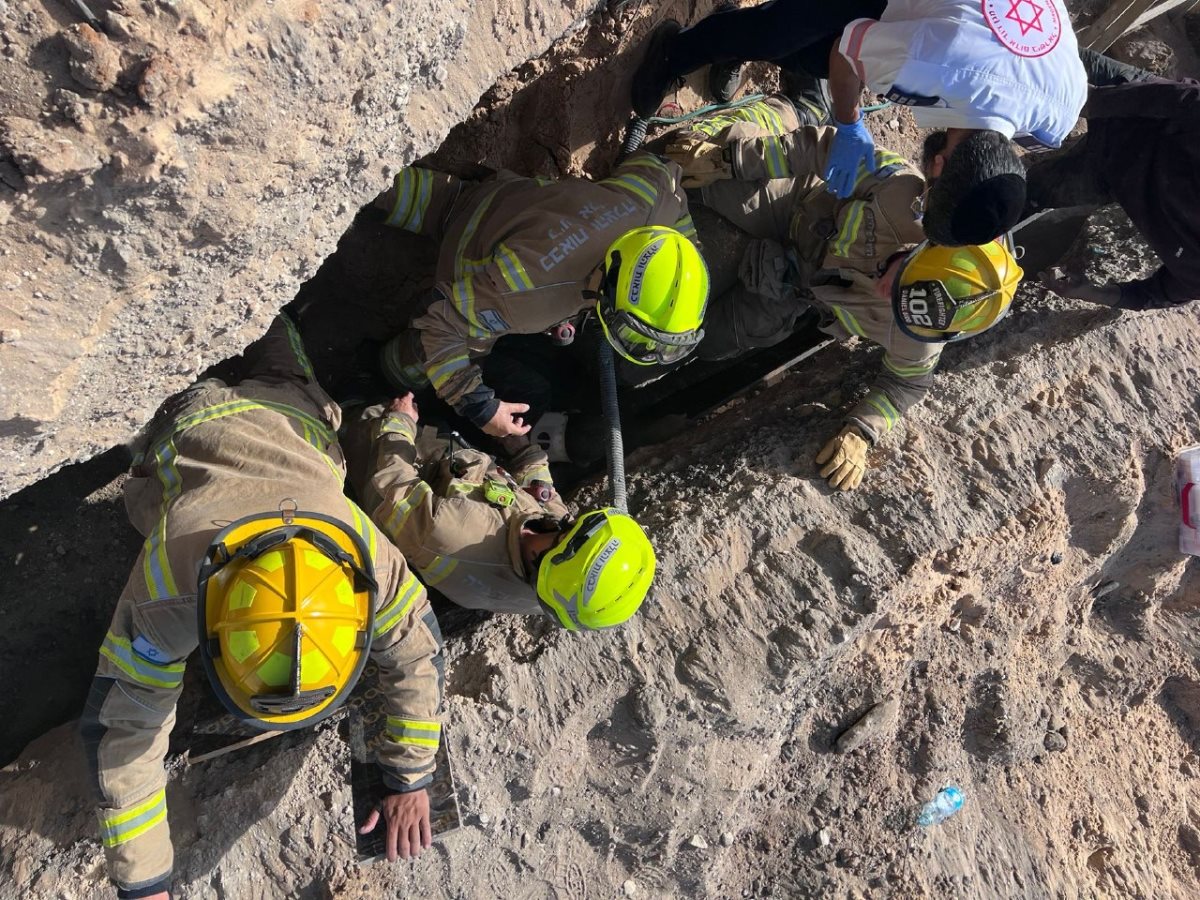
x=861 y=261
x=526 y=256
x=493 y=539
x=254 y=555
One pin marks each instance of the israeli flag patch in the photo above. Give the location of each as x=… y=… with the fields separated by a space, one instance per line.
x=148 y=651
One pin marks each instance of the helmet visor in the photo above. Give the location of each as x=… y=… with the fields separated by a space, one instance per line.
x=642 y=343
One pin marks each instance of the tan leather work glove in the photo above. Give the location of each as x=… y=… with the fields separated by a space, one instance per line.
x=702 y=161
x=844 y=459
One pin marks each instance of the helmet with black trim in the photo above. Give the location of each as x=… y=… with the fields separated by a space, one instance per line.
x=598 y=574
x=654 y=295
x=285 y=613
x=943 y=294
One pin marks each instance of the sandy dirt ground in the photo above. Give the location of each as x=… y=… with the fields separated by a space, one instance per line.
x=1001 y=607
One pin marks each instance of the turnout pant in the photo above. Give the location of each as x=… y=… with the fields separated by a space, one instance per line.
x=1068 y=177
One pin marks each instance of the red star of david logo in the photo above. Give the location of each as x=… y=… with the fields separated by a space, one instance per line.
x=1031 y=21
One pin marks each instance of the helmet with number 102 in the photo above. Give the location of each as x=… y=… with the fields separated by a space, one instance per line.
x=943 y=294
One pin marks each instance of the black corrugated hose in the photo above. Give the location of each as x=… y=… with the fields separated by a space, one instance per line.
x=635 y=133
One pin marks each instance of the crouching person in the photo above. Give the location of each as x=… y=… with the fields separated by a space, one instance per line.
x=862 y=262
x=525 y=256
x=493 y=539
x=255 y=556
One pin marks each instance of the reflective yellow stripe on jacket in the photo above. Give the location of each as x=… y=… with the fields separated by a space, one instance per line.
x=118 y=828
x=156 y=567
x=387 y=617
x=394 y=523
x=855 y=211
x=156 y=564
x=512 y=270
x=775 y=158
x=439 y=374
x=119 y=651
x=848 y=321
x=889 y=412
x=636 y=185
x=397 y=425
x=921 y=368
x=462 y=292
x=414 y=187
x=297 y=345
x=362 y=525
x=422 y=732
x=439 y=570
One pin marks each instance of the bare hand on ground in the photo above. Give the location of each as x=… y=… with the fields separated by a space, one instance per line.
x=507 y=420
x=1076 y=287
x=408 y=829
x=406 y=404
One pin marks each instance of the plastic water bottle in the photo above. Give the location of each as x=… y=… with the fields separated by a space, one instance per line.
x=1187 y=489
x=948 y=801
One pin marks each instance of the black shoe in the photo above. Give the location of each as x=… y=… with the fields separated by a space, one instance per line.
x=809 y=94
x=653 y=76
x=724 y=80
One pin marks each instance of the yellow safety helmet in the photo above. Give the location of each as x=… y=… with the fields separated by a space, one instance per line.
x=654 y=295
x=285 y=612
x=950 y=293
x=598 y=574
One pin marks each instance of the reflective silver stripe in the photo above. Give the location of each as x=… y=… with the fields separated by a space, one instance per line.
x=397 y=425
x=881 y=403
x=424 y=193
x=118 y=651
x=156 y=564
x=414 y=731
x=439 y=570
x=119 y=828
x=297 y=345
x=394 y=523
x=776 y=160
x=387 y=617
x=443 y=372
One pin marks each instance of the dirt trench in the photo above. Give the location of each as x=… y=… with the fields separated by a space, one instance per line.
x=1004 y=593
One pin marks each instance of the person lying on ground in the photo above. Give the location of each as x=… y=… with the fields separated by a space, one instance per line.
x=526 y=255
x=1141 y=150
x=493 y=539
x=862 y=262
x=967 y=67
x=238 y=489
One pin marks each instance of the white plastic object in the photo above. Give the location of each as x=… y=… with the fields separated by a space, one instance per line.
x=948 y=801
x=1187 y=489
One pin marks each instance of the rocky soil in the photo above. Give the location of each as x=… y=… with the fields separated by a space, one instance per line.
x=1001 y=607
x=169 y=178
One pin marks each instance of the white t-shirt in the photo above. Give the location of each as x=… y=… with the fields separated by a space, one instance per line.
x=1009 y=65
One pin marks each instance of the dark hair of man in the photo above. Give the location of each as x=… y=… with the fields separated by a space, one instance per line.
x=980 y=193
x=934 y=143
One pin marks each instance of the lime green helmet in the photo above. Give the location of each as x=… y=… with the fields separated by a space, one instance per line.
x=654 y=295
x=598 y=574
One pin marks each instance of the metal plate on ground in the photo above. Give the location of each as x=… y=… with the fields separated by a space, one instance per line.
x=365 y=730
x=366 y=785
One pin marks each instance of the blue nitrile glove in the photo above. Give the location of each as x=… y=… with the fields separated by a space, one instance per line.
x=851 y=145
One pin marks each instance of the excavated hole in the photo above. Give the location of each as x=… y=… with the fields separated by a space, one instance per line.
x=69 y=546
